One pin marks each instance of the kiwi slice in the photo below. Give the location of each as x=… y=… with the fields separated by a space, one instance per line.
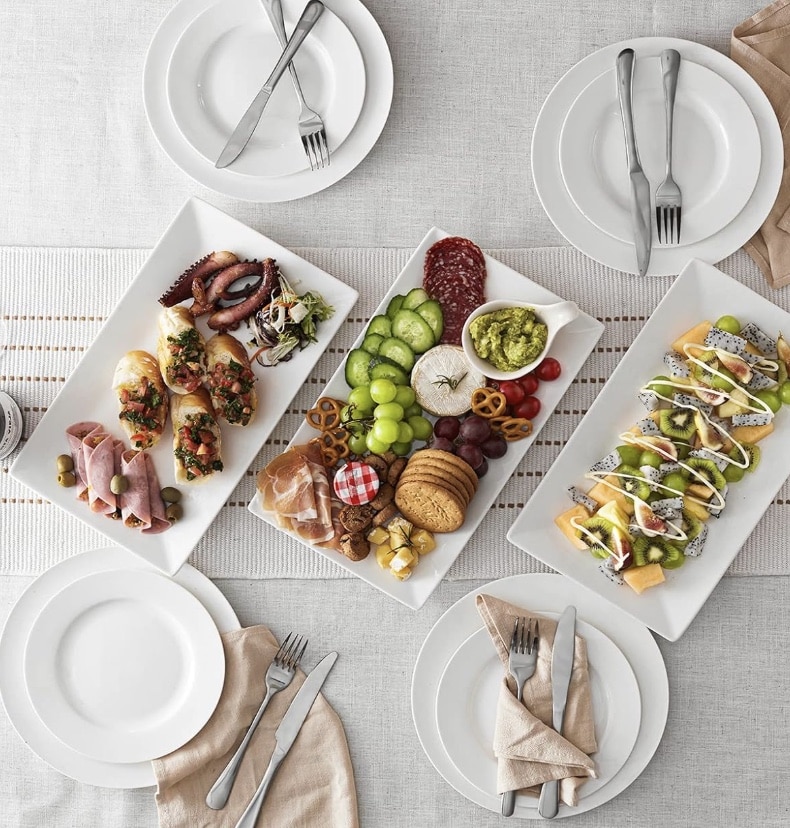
x=691 y=525
x=753 y=453
x=637 y=485
x=708 y=470
x=699 y=371
x=601 y=530
x=677 y=423
x=657 y=550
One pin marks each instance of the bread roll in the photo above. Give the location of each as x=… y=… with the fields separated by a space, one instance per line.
x=181 y=351
x=142 y=398
x=197 y=442
x=231 y=381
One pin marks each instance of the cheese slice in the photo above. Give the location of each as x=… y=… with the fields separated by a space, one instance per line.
x=443 y=381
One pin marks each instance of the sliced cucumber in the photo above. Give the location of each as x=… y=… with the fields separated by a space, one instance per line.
x=431 y=312
x=414 y=298
x=413 y=330
x=398 y=351
x=395 y=305
x=358 y=368
x=379 y=325
x=390 y=371
x=371 y=343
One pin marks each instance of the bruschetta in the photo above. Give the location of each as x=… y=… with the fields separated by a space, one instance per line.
x=197 y=446
x=181 y=351
x=231 y=382
x=142 y=398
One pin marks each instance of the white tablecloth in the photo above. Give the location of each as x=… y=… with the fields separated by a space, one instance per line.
x=80 y=168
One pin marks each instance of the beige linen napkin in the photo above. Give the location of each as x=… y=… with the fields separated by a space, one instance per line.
x=315 y=783
x=761 y=45
x=529 y=750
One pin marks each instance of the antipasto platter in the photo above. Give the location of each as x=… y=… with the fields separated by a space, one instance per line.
x=166 y=410
x=436 y=492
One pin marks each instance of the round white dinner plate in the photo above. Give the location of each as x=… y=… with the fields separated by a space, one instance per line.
x=13 y=690
x=541 y=593
x=224 y=57
x=124 y=666
x=375 y=109
x=716 y=149
x=665 y=259
x=466 y=705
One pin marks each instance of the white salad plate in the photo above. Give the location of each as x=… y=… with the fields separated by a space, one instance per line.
x=701 y=292
x=224 y=57
x=571 y=347
x=197 y=230
x=548 y=594
x=378 y=83
x=466 y=708
x=599 y=245
x=13 y=688
x=124 y=666
x=716 y=149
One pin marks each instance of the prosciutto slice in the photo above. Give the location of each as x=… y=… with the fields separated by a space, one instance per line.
x=286 y=485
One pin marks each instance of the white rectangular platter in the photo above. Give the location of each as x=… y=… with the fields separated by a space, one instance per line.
x=700 y=292
x=571 y=347
x=198 y=229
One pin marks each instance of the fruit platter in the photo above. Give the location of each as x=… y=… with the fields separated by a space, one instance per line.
x=441 y=464
x=678 y=458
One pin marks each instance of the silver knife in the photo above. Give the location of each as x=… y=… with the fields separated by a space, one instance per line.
x=287 y=732
x=561 y=669
x=640 y=186
x=246 y=126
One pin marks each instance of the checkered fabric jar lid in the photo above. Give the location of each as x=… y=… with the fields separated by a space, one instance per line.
x=356 y=483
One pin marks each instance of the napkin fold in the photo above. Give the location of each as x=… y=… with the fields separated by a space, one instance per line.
x=761 y=45
x=529 y=750
x=315 y=783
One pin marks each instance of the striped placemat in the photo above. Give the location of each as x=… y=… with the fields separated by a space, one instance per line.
x=53 y=301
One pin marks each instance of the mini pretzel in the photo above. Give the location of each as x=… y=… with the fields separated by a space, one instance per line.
x=326 y=414
x=334 y=446
x=488 y=402
x=511 y=428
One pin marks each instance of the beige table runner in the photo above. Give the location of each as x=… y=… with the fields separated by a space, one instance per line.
x=53 y=301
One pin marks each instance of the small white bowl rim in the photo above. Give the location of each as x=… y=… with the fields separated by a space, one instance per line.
x=498 y=304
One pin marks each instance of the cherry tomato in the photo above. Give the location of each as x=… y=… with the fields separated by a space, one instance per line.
x=513 y=392
x=548 y=370
x=529 y=382
x=528 y=408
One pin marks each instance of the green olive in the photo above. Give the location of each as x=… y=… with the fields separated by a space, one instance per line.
x=65 y=463
x=170 y=494
x=174 y=512
x=119 y=484
x=67 y=479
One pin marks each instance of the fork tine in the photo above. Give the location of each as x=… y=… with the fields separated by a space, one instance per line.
x=679 y=209
x=306 y=145
x=513 y=638
x=536 y=637
x=319 y=158
x=298 y=656
x=324 y=146
x=658 y=223
x=278 y=655
x=288 y=655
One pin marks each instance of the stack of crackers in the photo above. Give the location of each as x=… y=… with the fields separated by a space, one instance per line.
x=435 y=489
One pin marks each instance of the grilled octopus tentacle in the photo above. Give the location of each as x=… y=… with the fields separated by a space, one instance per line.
x=202 y=269
x=228 y=319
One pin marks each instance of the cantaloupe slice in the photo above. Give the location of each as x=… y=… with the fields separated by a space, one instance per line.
x=601 y=494
x=751 y=434
x=696 y=509
x=563 y=522
x=640 y=578
x=696 y=335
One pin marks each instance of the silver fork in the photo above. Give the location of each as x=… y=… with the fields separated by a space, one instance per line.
x=521 y=665
x=279 y=675
x=668 y=198
x=311 y=127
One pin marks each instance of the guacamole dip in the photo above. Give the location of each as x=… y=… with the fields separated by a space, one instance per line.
x=509 y=338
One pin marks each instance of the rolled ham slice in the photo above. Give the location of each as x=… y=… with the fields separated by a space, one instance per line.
x=135 y=501
x=100 y=451
x=75 y=434
x=158 y=520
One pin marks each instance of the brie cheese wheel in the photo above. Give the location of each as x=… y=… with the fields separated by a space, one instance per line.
x=443 y=380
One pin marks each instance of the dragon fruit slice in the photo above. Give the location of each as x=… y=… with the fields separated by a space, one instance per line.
x=666 y=468
x=606 y=569
x=687 y=401
x=649 y=400
x=608 y=463
x=752 y=419
x=760 y=339
x=651 y=474
x=676 y=364
x=717 y=338
x=759 y=381
x=578 y=496
x=669 y=508
x=648 y=427
x=752 y=359
x=694 y=547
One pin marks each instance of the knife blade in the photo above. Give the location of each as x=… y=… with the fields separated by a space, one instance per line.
x=286 y=734
x=561 y=669
x=249 y=121
x=640 y=187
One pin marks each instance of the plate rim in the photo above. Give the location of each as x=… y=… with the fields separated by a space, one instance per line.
x=207 y=670
x=665 y=260
x=749 y=177
x=169 y=550
x=633 y=639
x=407 y=592
x=20 y=712
x=671 y=621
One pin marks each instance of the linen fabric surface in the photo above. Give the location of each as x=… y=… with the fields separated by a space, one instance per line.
x=315 y=782
x=761 y=45
x=529 y=750
x=44 y=346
